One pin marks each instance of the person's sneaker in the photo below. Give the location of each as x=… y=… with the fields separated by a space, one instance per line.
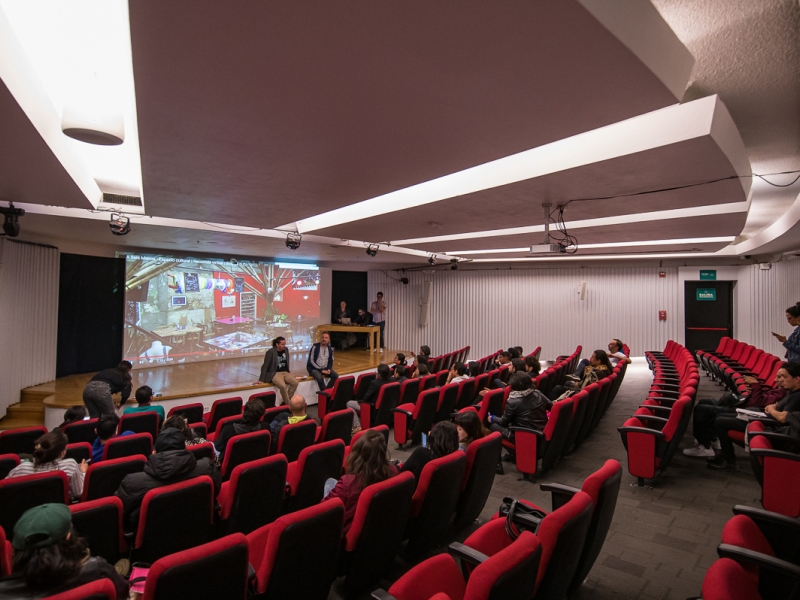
x=715 y=445
x=699 y=451
x=507 y=458
x=499 y=470
x=721 y=464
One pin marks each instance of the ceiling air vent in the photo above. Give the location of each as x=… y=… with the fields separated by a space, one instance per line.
x=120 y=199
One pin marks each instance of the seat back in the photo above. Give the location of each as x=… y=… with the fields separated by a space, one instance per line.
x=21 y=440
x=377 y=531
x=337 y=425
x=726 y=579
x=425 y=409
x=7 y=463
x=599 y=406
x=225 y=407
x=21 y=493
x=435 y=501
x=409 y=390
x=6 y=553
x=779 y=477
x=555 y=433
x=311 y=536
x=481 y=383
x=193 y=413
x=268 y=398
x=129 y=445
x=100 y=589
x=190 y=503
x=675 y=427
x=81 y=431
x=362 y=384
x=342 y=391
x=592 y=400
x=483 y=456
x=217 y=569
x=272 y=413
x=144 y=422
x=103 y=478
x=293 y=438
x=244 y=448
x=602 y=486
x=441 y=378
x=99 y=522
x=315 y=465
x=562 y=534
x=388 y=396
x=579 y=406
x=204 y=450
x=448 y=397
x=222 y=424
x=466 y=393
x=79 y=452
x=254 y=494
x=428 y=382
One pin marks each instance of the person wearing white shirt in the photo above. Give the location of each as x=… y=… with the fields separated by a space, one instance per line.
x=615 y=354
x=458 y=373
x=378 y=310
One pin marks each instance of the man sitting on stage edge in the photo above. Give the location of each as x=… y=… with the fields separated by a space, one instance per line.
x=320 y=362
x=276 y=369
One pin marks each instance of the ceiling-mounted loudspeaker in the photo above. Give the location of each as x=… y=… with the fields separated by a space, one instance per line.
x=582 y=289
x=93 y=125
x=425 y=303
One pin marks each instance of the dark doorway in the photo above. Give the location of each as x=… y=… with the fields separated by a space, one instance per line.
x=708 y=307
x=350 y=286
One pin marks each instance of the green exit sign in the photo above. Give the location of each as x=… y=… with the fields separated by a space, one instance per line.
x=708 y=275
x=706 y=294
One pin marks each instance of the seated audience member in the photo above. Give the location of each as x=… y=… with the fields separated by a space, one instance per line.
x=371 y=395
x=363 y=319
x=443 y=440
x=367 y=463
x=526 y=407
x=341 y=313
x=73 y=414
x=513 y=353
x=470 y=428
x=179 y=422
x=170 y=463
x=144 y=397
x=399 y=360
x=474 y=368
x=502 y=359
x=520 y=351
x=320 y=362
x=106 y=430
x=457 y=373
x=50 y=558
x=706 y=411
x=786 y=415
x=421 y=370
x=532 y=366
x=251 y=421
x=615 y=354
x=599 y=368
x=424 y=354
x=298 y=406
x=517 y=366
x=48 y=455
x=400 y=373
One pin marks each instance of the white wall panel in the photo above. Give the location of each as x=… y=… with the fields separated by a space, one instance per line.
x=28 y=317
x=771 y=292
x=491 y=309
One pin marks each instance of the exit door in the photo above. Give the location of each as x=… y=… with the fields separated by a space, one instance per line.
x=708 y=307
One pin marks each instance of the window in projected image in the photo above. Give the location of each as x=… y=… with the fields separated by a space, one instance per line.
x=180 y=310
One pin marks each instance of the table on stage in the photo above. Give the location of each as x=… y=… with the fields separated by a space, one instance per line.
x=373 y=331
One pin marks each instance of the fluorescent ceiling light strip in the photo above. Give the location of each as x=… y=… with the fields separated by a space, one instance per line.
x=676 y=242
x=561 y=257
x=675 y=213
x=656 y=129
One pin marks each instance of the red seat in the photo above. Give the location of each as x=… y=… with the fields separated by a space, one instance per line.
x=306 y=477
x=81 y=431
x=103 y=478
x=466 y=393
x=143 y=422
x=254 y=494
x=337 y=425
x=272 y=413
x=18 y=494
x=448 y=397
x=21 y=440
x=295 y=437
x=7 y=463
x=268 y=398
x=362 y=384
x=244 y=448
x=728 y=580
x=99 y=522
x=428 y=382
x=79 y=452
x=412 y=420
x=189 y=503
x=307 y=537
x=6 y=552
x=381 y=412
x=409 y=390
x=337 y=397
x=483 y=455
x=129 y=445
x=441 y=377
x=226 y=407
x=776 y=461
x=218 y=569
x=102 y=589
x=193 y=413
x=204 y=450
x=221 y=424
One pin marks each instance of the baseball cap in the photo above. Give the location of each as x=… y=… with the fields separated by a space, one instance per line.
x=42 y=526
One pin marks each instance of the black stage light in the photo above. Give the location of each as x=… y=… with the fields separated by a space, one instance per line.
x=372 y=249
x=293 y=240
x=453 y=264
x=11 y=219
x=432 y=260
x=120 y=224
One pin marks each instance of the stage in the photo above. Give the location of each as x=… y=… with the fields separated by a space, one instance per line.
x=197 y=382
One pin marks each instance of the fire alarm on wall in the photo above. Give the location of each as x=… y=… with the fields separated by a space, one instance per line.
x=662 y=315
x=662 y=273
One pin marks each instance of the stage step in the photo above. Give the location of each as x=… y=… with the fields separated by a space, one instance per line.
x=27 y=413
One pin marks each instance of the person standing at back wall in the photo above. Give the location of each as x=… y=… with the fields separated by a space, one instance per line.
x=378 y=310
x=277 y=371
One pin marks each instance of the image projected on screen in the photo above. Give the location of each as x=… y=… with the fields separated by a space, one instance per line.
x=180 y=310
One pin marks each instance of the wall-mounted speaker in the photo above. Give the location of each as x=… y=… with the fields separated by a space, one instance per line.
x=582 y=289
x=425 y=303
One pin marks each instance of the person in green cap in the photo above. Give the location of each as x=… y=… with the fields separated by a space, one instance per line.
x=50 y=558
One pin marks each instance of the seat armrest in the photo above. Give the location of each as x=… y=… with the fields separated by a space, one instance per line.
x=380 y=594
x=775 y=454
x=536 y=432
x=650 y=418
x=655 y=407
x=466 y=554
x=325 y=393
x=559 y=494
x=405 y=412
x=655 y=432
x=763 y=561
x=759 y=515
x=777 y=437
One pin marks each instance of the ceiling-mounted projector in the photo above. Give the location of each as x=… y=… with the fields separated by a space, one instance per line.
x=548 y=249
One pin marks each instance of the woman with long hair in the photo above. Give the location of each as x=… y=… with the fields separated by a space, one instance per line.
x=443 y=440
x=48 y=455
x=367 y=463
x=98 y=393
x=470 y=428
x=792 y=343
x=50 y=558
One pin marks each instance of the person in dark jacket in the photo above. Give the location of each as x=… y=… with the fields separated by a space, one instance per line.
x=526 y=407
x=442 y=441
x=320 y=362
x=786 y=415
x=277 y=369
x=400 y=373
x=251 y=421
x=97 y=395
x=171 y=463
x=371 y=395
x=792 y=343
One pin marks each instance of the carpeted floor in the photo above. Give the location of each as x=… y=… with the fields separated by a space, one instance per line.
x=663 y=539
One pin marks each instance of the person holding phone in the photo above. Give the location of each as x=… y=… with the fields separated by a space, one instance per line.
x=792 y=343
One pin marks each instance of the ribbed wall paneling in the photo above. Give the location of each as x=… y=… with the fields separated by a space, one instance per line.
x=771 y=291
x=28 y=318
x=491 y=309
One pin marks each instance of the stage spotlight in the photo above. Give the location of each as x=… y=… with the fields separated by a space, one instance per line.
x=432 y=260
x=372 y=249
x=453 y=264
x=11 y=219
x=120 y=224
x=404 y=280
x=293 y=240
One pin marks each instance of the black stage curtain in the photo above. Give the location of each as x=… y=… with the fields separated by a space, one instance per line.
x=350 y=286
x=91 y=304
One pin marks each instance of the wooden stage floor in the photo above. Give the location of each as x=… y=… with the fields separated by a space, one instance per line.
x=197 y=379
